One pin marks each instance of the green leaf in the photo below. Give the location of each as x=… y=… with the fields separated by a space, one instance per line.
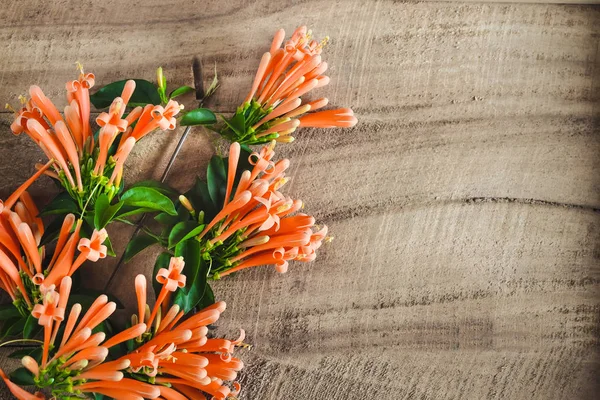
x=87 y=227
x=199 y=116
x=216 y=179
x=61 y=204
x=166 y=219
x=33 y=352
x=8 y=311
x=137 y=244
x=182 y=213
x=130 y=211
x=148 y=198
x=145 y=93
x=31 y=327
x=13 y=327
x=183 y=231
x=196 y=269
x=200 y=199
x=104 y=212
x=98 y=396
x=109 y=247
x=7 y=325
x=159 y=186
x=190 y=251
x=207 y=299
x=237 y=123
x=181 y=91
x=162 y=261
x=22 y=376
x=102 y=203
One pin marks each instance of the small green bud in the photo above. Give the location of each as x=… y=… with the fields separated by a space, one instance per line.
x=160 y=79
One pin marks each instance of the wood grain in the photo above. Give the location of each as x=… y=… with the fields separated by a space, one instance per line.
x=465 y=205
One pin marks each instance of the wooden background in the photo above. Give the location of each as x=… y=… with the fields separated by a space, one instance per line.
x=465 y=204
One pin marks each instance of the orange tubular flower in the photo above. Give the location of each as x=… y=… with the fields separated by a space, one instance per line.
x=77 y=365
x=86 y=167
x=24 y=274
x=274 y=107
x=179 y=354
x=93 y=248
x=259 y=226
x=20 y=255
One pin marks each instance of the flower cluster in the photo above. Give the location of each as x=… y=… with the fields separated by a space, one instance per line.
x=258 y=225
x=25 y=272
x=274 y=108
x=88 y=164
x=178 y=353
x=76 y=363
x=237 y=219
x=170 y=358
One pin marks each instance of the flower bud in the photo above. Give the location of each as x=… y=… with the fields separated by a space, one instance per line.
x=32 y=365
x=186 y=203
x=160 y=79
x=255 y=241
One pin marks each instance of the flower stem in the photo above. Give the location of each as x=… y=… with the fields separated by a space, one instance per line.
x=21 y=341
x=88 y=200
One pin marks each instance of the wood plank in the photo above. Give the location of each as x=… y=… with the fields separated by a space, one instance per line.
x=479 y=300
x=512 y=59
x=465 y=205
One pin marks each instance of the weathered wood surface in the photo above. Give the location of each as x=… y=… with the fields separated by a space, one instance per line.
x=465 y=204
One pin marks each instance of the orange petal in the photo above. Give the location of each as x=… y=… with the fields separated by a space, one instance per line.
x=94 y=308
x=260 y=73
x=73 y=315
x=127 y=92
x=234 y=156
x=17 y=193
x=125 y=335
x=17 y=391
x=125 y=385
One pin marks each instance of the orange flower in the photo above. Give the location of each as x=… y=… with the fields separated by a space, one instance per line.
x=172 y=278
x=274 y=107
x=259 y=226
x=179 y=354
x=93 y=248
x=153 y=117
x=67 y=138
x=343 y=117
x=77 y=365
x=22 y=259
x=49 y=310
x=120 y=158
x=172 y=359
x=20 y=234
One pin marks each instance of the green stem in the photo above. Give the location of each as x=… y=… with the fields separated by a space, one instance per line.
x=21 y=341
x=152 y=235
x=124 y=221
x=88 y=200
